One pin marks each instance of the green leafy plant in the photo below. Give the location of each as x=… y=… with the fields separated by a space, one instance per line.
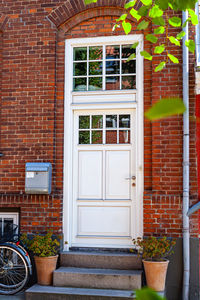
x=159 y=13
x=42 y=245
x=154 y=249
x=147 y=294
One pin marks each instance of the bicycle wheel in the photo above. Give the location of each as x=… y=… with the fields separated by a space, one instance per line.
x=14 y=271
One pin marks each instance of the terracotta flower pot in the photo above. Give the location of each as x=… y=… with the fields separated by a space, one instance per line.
x=45 y=267
x=156 y=272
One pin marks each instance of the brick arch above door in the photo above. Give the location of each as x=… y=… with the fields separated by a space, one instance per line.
x=71 y=8
x=3 y=20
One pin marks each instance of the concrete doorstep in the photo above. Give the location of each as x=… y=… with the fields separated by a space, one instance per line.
x=18 y=296
x=38 y=292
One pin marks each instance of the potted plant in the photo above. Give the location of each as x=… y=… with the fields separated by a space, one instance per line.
x=154 y=252
x=45 y=249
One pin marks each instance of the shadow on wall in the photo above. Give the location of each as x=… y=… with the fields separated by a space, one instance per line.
x=175 y=271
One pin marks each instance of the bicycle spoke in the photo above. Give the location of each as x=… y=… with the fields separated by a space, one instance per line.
x=13 y=270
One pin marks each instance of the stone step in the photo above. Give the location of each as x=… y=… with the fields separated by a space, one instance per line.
x=38 y=292
x=97 y=278
x=100 y=260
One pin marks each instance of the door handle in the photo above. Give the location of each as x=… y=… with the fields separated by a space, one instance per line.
x=131 y=178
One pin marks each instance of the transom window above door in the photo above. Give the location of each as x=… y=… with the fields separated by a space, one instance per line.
x=104 y=129
x=103 y=67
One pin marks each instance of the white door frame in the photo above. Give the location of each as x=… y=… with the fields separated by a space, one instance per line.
x=75 y=101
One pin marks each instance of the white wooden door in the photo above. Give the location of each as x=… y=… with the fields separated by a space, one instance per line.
x=104 y=178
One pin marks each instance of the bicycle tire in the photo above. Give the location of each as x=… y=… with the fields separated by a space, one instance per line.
x=24 y=251
x=14 y=270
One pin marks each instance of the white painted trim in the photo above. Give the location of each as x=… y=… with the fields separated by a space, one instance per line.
x=106 y=92
x=10 y=215
x=68 y=123
x=107 y=105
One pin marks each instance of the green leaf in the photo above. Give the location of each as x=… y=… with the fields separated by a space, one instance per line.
x=194 y=18
x=135 y=14
x=115 y=26
x=191 y=45
x=180 y=35
x=127 y=27
x=122 y=18
x=159 y=49
x=160 y=66
x=89 y=1
x=147 y=294
x=165 y=107
x=175 y=21
x=158 y=21
x=143 y=25
x=134 y=46
x=174 y=41
x=151 y=38
x=155 y=12
x=159 y=30
x=172 y=6
x=173 y=58
x=131 y=57
x=146 y=55
x=163 y=4
x=146 y=2
x=129 y=4
x=185 y=23
x=184 y=4
x=143 y=11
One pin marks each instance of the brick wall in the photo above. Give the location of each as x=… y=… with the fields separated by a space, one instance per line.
x=32 y=113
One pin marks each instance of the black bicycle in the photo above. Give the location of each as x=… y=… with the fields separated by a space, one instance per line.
x=15 y=263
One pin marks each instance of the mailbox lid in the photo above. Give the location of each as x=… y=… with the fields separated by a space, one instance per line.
x=38 y=167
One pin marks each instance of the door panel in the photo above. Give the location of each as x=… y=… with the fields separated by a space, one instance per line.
x=104 y=201
x=104 y=221
x=90 y=175
x=117 y=170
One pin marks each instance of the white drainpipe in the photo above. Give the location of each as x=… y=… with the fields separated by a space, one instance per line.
x=186 y=233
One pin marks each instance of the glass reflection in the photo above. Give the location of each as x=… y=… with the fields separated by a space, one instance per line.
x=111 y=136
x=95 y=68
x=80 y=53
x=84 y=137
x=97 y=121
x=112 y=52
x=111 y=121
x=79 y=84
x=95 y=53
x=97 y=137
x=124 y=121
x=112 y=67
x=127 y=51
x=124 y=136
x=95 y=83
x=80 y=69
x=84 y=122
x=128 y=67
x=112 y=83
x=128 y=82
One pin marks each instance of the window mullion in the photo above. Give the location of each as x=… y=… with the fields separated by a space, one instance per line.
x=90 y=129
x=104 y=129
x=117 y=129
x=104 y=67
x=120 y=67
x=87 y=88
